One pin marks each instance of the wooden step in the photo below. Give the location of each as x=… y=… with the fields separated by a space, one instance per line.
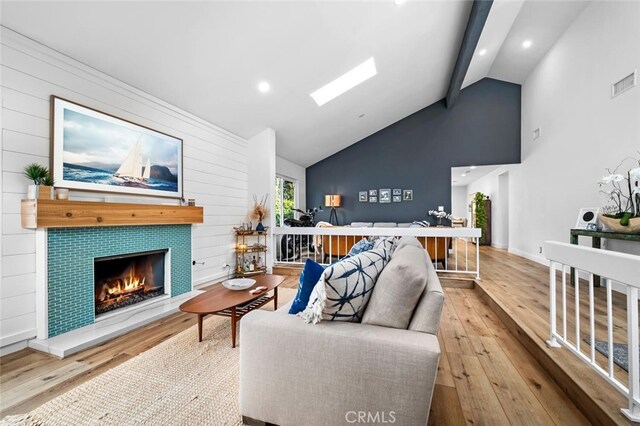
x=287 y=270
x=591 y=393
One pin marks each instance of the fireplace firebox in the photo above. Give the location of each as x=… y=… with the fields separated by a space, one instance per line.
x=128 y=279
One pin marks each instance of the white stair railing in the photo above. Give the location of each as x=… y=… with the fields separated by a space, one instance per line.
x=621 y=268
x=452 y=250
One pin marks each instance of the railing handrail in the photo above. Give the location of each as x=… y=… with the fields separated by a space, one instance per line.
x=620 y=267
x=375 y=232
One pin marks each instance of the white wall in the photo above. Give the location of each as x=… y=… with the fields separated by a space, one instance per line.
x=288 y=169
x=489 y=185
x=215 y=165
x=583 y=129
x=459 y=201
x=262 y=176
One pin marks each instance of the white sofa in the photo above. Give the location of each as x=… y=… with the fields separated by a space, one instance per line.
x=293 y=373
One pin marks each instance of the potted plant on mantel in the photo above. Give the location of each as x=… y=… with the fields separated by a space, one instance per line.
x=42 y=182
x=622 y=213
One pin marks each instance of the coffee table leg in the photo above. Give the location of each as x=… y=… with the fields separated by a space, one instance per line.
x=275 y=298
x=233 y=327
x=200 y=317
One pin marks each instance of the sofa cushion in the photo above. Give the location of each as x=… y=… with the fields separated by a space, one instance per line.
x=309 y=277
x=362 y=224
x=385 y=225
x=345 y=287
x=426 y=317
x=408 y=241
x=398 y=289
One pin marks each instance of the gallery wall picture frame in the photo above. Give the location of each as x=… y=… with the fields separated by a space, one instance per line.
x=397 y=198
x=373 y=193
x=397 y=192
x=362 y=196
x=96 y=151
x=385 y=196
x=407 y=195
x=373 y=199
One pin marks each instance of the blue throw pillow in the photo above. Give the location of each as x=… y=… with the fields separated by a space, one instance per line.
x=361 y=246
x=309 y=277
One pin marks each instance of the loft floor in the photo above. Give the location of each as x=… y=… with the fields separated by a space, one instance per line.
x=485 y=377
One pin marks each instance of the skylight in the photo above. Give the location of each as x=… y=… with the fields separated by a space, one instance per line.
x=345 y=82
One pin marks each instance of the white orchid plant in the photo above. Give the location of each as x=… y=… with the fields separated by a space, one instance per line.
x=622 y=191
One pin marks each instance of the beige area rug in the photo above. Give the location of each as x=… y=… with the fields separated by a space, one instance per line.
x=178 y=382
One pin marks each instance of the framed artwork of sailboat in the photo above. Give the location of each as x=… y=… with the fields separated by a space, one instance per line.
x=95 y=151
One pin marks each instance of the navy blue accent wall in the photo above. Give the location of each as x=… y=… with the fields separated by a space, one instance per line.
x=417 y=152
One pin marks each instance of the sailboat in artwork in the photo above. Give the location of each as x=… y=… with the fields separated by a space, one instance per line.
x=131 y=170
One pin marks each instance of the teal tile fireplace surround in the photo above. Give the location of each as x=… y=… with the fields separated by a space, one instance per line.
x=71 y=253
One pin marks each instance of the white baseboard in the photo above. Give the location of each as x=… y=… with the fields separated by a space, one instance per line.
x=14 y=347
x=534 y=257
x=499 y=245
x=17 y=337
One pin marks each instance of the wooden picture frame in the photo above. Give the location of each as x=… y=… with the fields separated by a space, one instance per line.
x=95 y=151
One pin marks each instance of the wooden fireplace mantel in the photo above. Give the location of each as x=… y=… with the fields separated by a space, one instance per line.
x=70 y=214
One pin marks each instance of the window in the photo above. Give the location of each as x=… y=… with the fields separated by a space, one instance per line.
x=285 y=200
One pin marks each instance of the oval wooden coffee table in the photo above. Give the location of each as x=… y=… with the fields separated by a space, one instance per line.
x=233 y=303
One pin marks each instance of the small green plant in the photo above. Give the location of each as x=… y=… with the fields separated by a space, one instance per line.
x=37 y=173
x=480 y=213
x=47 y=180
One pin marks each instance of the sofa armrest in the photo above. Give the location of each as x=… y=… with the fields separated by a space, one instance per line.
x=294 y=373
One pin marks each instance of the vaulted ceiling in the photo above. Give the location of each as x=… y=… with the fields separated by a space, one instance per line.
x=208 y=57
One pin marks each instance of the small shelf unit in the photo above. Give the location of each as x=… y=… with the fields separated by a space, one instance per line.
x=251 y=249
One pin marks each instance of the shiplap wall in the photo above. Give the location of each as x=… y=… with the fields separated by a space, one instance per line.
x=215 y=168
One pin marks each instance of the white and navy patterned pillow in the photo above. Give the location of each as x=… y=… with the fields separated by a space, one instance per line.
x=389 y=243
x=344 y=289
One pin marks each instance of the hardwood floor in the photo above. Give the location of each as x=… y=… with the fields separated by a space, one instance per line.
x=486 y=376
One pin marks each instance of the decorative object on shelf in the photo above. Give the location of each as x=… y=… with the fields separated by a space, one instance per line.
x=40 y=176
x=481 y=207
x=397 y=192
x=622 y=213
x=250 y=246
x=373 y=199
x=397 y=198
x=373 y=193
x=362 y=196
x=440 y=215
x=191 y=202
x=99 y=152
x=385 y=196
x=587 y=216
x=62 y=194
x=408 y=195
x=333 y=201
x=259 y=211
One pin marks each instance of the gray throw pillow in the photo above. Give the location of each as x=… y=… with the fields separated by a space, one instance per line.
x=398 y=289
x=408 y=241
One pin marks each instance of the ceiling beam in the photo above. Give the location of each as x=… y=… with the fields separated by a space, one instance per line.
x=475 y=24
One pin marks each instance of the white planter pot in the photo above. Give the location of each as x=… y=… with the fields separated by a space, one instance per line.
x=32 y=192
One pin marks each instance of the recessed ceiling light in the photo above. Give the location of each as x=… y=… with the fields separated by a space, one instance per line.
x=464 y=174
x=482 y=52
x=398 y=2
x=347 y=81
x=527 y=44
x=472 y=167
x=264 y=87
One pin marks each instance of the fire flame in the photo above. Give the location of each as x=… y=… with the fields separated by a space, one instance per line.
x=123 y=286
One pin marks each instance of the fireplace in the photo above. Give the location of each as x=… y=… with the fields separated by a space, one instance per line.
x=128 y=279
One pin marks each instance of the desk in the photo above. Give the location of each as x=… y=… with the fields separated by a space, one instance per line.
x=596 y=242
